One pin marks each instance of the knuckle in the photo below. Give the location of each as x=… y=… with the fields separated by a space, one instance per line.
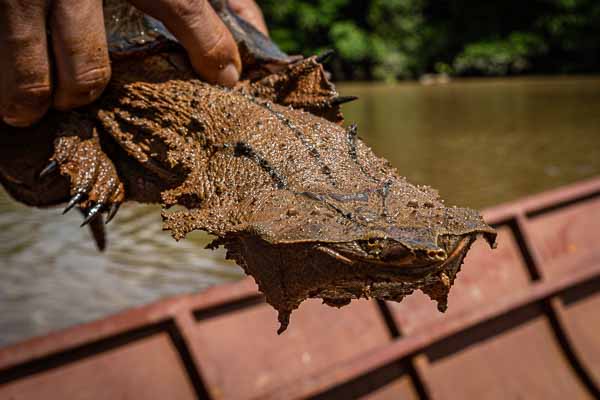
x=32 y=93
x=25 y=101
x=82 y=88
x=91 y=79
x=208 y=39
x=217 y=45
x=188 y=10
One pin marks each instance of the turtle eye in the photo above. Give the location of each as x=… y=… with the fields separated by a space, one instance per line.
x=374 y=244
x=371 y=245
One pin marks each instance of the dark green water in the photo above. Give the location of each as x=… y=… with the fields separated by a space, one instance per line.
x=479 y=142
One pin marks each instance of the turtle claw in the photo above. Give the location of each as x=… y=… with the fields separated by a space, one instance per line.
x=343 y=99
x=95 y=184
x=96 y=226
x=51 y=167
x=76 y=199
x=112 y=212
x=92 y=213
x=325 y=56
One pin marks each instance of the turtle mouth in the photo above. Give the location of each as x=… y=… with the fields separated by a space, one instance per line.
x=402 y=260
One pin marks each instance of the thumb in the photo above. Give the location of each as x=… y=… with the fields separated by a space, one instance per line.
x=210 y=46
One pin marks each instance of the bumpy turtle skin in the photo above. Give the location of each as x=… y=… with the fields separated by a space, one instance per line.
x=291 y=195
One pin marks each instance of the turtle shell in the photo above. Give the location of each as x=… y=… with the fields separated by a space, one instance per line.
x=129 y=32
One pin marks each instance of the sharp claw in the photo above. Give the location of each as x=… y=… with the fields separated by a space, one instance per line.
x=74 y=200
x=92 y=213
x=49 y=169
x=113 y=211
x=97 y=229
x=342 y=99
x=325 y=56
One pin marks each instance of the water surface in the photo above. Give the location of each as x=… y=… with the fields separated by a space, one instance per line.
x=480 y=142
x=483 y=142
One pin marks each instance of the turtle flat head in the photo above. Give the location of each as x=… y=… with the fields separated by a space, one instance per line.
x=404 y=228
x=339 y=248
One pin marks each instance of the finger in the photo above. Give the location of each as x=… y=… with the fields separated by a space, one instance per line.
x=209 y=44
x=250 y=11
x=24 y=67
x=80 y=52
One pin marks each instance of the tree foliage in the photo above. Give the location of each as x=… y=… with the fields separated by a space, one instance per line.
x=395 y=39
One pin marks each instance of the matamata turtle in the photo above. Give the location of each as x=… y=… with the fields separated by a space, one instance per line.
x=299 y=201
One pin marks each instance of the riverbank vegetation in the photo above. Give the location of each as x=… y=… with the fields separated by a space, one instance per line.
x=398 y=39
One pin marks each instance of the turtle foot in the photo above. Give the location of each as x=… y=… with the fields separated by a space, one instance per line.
x=95 y=185
x=302 y=84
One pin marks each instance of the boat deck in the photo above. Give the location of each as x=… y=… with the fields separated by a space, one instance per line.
x=523 y=322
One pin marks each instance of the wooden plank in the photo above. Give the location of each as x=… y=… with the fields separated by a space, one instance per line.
x=565 y=232
x=148 y=368
x=241 y=355
x=511 y=357
x=390 y=382
x=582 y=269
x=542 y=202
x=227 y=338
x=134 y=318
x=580 y=307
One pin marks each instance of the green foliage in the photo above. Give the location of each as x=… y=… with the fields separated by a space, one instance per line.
x=381 y=39
x=396 y=39
x=351 y=42
x=397 y=35
x=573 y=31
x=500 y=57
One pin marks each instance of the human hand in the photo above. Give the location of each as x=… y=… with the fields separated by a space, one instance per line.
x=70 y=67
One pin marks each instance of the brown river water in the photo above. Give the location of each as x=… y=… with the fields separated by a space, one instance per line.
x=480 y=142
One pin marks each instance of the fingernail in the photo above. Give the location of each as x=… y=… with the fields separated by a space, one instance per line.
x=228 y=76
x=17 y=122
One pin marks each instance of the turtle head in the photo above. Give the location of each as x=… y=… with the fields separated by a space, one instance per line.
x=381 y=228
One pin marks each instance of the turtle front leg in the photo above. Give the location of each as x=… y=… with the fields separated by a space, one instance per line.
x=95 y=186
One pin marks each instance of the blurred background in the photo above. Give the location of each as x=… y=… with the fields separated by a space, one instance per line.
x=480 y=140
x=487 y=101
x=399 y=39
